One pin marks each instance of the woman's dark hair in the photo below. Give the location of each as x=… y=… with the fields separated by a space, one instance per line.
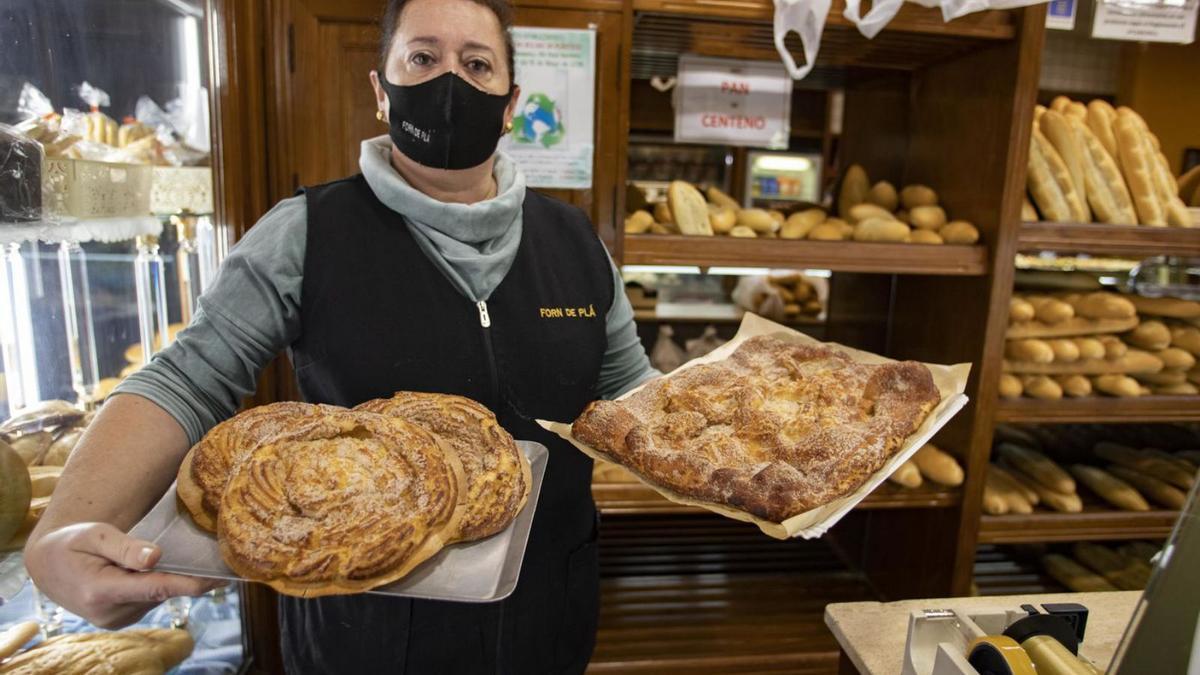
x=391 y=20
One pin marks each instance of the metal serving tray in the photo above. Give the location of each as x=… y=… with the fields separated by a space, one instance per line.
x=480 y=571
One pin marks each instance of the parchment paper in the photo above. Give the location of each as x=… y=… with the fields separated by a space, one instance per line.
x=950 y=381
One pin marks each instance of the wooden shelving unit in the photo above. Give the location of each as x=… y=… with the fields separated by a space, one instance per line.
x=1110 y=240
x=654 y=249
x=1093 y=524
x=1100 y=410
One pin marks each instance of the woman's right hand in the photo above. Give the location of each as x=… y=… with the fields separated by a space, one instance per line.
x=104 y=575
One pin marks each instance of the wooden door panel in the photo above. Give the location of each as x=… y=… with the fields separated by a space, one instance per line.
x=348 y=53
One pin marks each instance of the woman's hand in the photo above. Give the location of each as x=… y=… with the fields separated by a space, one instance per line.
x=102 y=574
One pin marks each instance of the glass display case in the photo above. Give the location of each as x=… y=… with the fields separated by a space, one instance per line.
x=107 y=240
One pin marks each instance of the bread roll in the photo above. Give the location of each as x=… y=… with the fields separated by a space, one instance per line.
x=1101 y=305
x=721 y=219
x=855 y=186
x=1064 y=350
x=1090 y=348
x=959 y=232
x=861 y=212
x=1151 y=335
x=1164 y=378
x=1069 y=145
x=993 y=503
x=881 y=229
x=1185 y=389
x=1105 y=186
x=1117 y=385
x=1028 y=213
x=1187 y=339
x=913 y=196
x=1060 y=104
x=1157 y=490
x=1075 y=386
x=662 y=213
x=1113 y=347
x=938 y=466
x=927 y=217
x=1010 y=386
x=883 y=194
x=721 y=199
x=743 y=232
x=1100 y=119
x=846 y=228
x=798 y=225
x=1032 y=351
x=1042 y=387
x=1174 y=358
x=758 y=220
x=1050 y=310
x=925 y=237
x=1019 y=310
x=1010 y=497
x=907 y=475
x=1169 y=307
x=638 y=222
x=827 y=232
x=1050 y=184
x=1134 y=362
x=1009 y=479
x=1137 y=163
x=659 y=228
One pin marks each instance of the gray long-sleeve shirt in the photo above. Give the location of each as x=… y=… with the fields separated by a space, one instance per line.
x=252 y=312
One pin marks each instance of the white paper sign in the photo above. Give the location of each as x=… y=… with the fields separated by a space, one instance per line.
x=730 y=102
x=1060 y=14
x=553 y=137
x=1146 y=20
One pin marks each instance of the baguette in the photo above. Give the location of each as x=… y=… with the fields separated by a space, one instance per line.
x=1049 y=182
x=1134 y=362
x=1039 y=467
x=1157 y=490
x=1074 y=576
x=1058 y=131
x=1124 y=574
x=1110 y=488
x=1089 y=348
x=1063 y=503
x=1006 y=498
x=1164 y=470
x=1028 y=213
x=1176 y=358
x=1136 y=163
x=1121 y=386
x=1165 y=378
x=1041 y=387
x=855 y=186
x=1007 y=432
x=1010 y=386
x=1169 y=307
x=1075 y=386
x=1005 y=477
x=1164 y=182
x=913 y=196
x=1105 y=187
x=907 y=475
x=1187 y=339
x=959 y=232
x=1180 y=462
x=1100 y=119
x=1102 y=305
x=1032 y=351
x=1152 y=335
x=1075 y=326
x=1184 y=389
x=1113 y=347
x=1019 y=310
x=884 y=194
x=1060 y=104
x=1064 y=350
x=938 y=466
x=16 y=637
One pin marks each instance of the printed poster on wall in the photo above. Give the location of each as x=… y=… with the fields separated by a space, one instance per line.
x=731 y=102
x=1060 y=14
x=1146 y=20
x=553 y=128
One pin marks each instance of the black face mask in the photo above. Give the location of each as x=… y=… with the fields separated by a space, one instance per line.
x=445 y=123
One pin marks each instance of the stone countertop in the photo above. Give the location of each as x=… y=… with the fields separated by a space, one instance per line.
x=873 y=634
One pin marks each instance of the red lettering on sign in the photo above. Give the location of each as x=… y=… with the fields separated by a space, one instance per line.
x=715 y=121
x=735 y=88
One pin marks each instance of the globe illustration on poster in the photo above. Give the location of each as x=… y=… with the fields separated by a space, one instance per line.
x=539 y=122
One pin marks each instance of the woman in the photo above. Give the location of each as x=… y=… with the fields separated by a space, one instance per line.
x=430 y=271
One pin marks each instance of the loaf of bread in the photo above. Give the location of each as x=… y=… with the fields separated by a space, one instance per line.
x=1117 y=385
x=1158 y=491
x=1007 y=497
x=861 y=212
x=1019 y=310
x=1168 y=307
x=884 y=195
x=927 y=217
x=938 y=466
x=1050 y=183
x=1074 y=576
x=1041 y=387
x=1069 y=145
x=1003 y=475
x=907 y=475
x=913 y=196
x=1134 y=362
x=1100 y=120
x=855 y=187
x=1075 y=386
x=1162 y=469
x=881 y=229
x=1102 y=305
x=827 y=231
x=1090 y=348
x=1106 y=190
x=1010 y=386
x=1075 y=326
x=1152 y=335
x=925 y=237
x=1038 y=467
x=1110 y=488
x=959 y=232
x=1032 y=351
x=1137 y=163
x=1186 y=338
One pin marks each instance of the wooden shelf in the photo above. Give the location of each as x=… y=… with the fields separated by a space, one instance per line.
x=638 y=499
x=1115 y=240
x=839 y=256
x=1098 y=409
x=1094 y=524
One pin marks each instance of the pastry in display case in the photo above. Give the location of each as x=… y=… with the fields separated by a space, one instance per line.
x=107 y=240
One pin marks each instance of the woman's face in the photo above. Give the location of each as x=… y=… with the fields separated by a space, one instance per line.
x=436 y=36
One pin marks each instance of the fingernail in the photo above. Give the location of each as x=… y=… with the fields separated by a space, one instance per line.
x=144 y=556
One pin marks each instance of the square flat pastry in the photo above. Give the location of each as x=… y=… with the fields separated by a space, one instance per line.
x=775 y=429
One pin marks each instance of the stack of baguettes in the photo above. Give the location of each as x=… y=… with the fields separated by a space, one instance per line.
x=319 y=500
x=1096 y=163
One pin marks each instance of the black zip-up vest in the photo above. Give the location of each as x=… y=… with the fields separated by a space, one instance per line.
x=377 y=317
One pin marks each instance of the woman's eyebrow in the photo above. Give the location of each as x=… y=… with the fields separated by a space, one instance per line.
x=478 y=46
x=425 y=39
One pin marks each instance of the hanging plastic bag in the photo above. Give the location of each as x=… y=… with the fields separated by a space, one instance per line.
x=881 y=14
x=953 y=9
x=666 y=355
x=704 y=344
x=807 y=19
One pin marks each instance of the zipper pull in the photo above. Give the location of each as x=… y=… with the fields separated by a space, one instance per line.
x=484 y=319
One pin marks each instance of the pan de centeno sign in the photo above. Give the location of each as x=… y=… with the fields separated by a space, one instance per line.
x=730 y=102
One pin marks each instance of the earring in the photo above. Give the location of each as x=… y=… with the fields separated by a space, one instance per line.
x=508 y=127
x=379 y=115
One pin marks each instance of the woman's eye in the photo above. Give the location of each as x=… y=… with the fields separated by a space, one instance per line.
x=478 y=66
x=421 y=59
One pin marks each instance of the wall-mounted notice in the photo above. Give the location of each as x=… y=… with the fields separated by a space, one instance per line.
x=730 y=102
x=1146 y=20
x=553 y=136
x=1060 y=14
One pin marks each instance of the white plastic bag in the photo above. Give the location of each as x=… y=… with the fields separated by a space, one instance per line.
x=807 y=19
x=666 y=355
x=882 y=12
x=953 y=9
